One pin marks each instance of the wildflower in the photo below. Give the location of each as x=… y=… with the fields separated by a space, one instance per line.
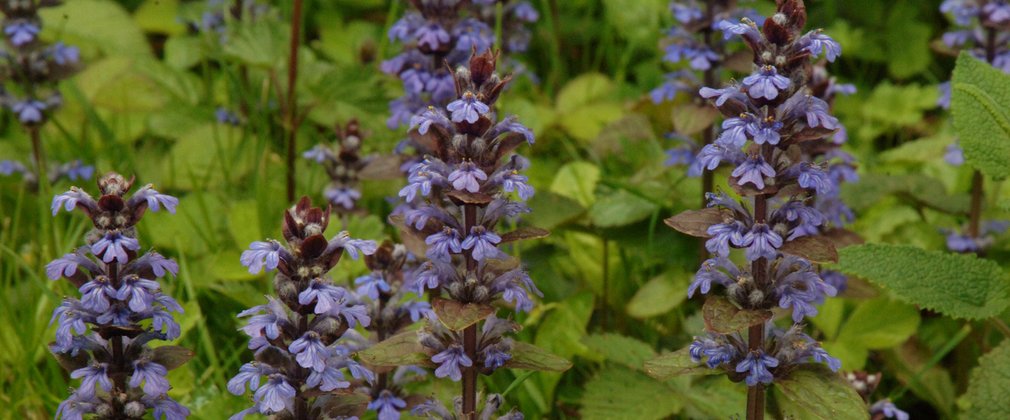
x=753 y=170
x=467 y=108
x=756 y=365
x=482 y=243
x=761 y=242
x=766 y=83
x=450 y=360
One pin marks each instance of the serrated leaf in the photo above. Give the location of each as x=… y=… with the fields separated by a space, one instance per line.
x=695 y=222
x=959 y=286
x=457 y=316
x=524 y=233
x=621 y=208
x=815 y=392
x=399 y=350
x=989 y=386
x=816 y=248
x=678 y=363
x=617 y=348
x=620 y=393
x=172 y=357
x=880 y=324
x=980 y=100
x=530 y=357
x=577 y=181
x=722 y=316
x=658 y=296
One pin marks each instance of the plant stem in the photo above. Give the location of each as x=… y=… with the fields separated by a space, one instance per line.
x=292 y=114
x=40 y=159
x=756 y=333
x=470 y=332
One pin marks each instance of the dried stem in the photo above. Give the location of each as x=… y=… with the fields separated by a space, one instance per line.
x=292 y=114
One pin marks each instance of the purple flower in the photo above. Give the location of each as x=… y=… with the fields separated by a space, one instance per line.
x=483 y=243
x=518 y=297
x=766 y=84
x=70 y=199
x=467 y=177
x=66 y=266
x=350 y=245
x=419 y=179
x=511 y=125
x=29 y=111
x=819 y=115
x=997 y=11
x=268 y=320
x=723 y=95
x=113 y=246
x=387 y=405
x=472 y=35
x=426 y=118
x=722 y=234
x=354 y=314
x=714 y=154
x=709 y=273
x=224 y=116
x=8 y=167
x=275 y=395
x=309 y=351
x=249 y=374
x=716 y=351
x=64 y=55
x=734 y=132
x=442 y=244
x=753 y=170
x=765 y=131
x=372 y=285
x=467 y=108
x=327 y=379
x=686 y=13
x=75 y=407
x=944 y=100
x=513 y=181
x=318 y=153
x=450 y=360
x=525 y=12
x=426 y=276
x=158 y=264
x=761 y=242
x=418 y=309
x=95 y=294
x=954 y=155
x=495 y=357
x=342 y=196
x=95 y=374
x=963 y=11
x=821 y=356
x=166 y=408
x=888 y=409
x=21 y=32
x=152 y=375
x=817 y=41
x=326 y=296
x=746 y=29
x=260 y=254
x=756 y=365
x=431 y=35
x=154 y=198
x=140 y=292
x=813 y=177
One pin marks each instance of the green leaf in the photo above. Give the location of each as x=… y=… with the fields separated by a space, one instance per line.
x=583 y=90
x=659 y=295
x=530 y=357
x=696 y=222
x=457 y=316
x=907 y=41
x=817 y=248
x=101 y=25
x=259 y=44
x=159 y=16
x=880 y=324
x=620 y=393
x=678 y=363
x=921 y=189
x=172 y=357
x=577 y=181
x=959 y=286
x=587 y=122
x=980 y=100
x=722 y=316
x=183 y=52
x=815 y=392
x=550 y=209
x=244 y=223
x=621 y=208
x=399 y=350
x=989 y=386
x=617 y=348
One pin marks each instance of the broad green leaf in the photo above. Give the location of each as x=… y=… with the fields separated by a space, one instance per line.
x=577 y=181
x=907 y=41
x=618 y=134
x=583 y=90
x=530 y=357
x=712 y=397
x=259 y=44
x=550 y=209
x=852 y=356
x=399 y=350
x=990 y=385
x=560 y=333
x=586 y=122
x=921 y=189
x=244 y=223
x=224 y=265
x=678 y=363
x=620 y=208
x=159 y=16
x=722 y=316
x=980 y=102
x=617 y=348
x=829 y=317
x=637 y=21
x=457 y=316
x=659 y=295
x=619 y=393
x=183 y=52
x=918 y=151
x=959 y=286
x=880 y=324
x=96 y=25
x=815 y=392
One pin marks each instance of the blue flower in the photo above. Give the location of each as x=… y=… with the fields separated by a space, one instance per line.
x=513 y=181
x=511 y=125
x=387 y=405
x=152 y=375
x=813 y=177
x=734 y=132
x=139 y=291
x=713 y=154
x=472 y=35
x=309 y=351
x=95 y=374
x=888 y=409
x=766 y=84
x=249 y=374
x=353 y=314
x=944 y=100
x=450 y=360
x=442 y=244
x=761 y=242
x=496 y=357
x=327 y=379
x=428 y=276
x=66 y=265
x=318 y=154
x=525 y=12
x=155 y=199
x=954 y=155
x=997 y=11
x=275 y=395
x=268 y=321
x=372 y=285
x=817 y=41
x=722 y=95
x=70 y=199
x=431 y=35
x=956 y=39
x=326 y=296
x=819 y=115
x=420 y=179
x=756 y=365
x=8 y=167
x=342 y=196
x=709 y=273
x=962 y=10
x=95 y=294
x=716 y=352
x=418 y=309
x=753 y=170
x=426 y=118
x=686 y=13
x=404 y=28
x=224 y=116
x=21 y=32
x=483 y=243
x=64 y=55
x=721 y=236
x=467 y=108
x=467 y=177
x=518 y=296
x=765 y=131
x=821 y=356
x=29 y=111
x=113 y=246
x=261 y=254
x=746 y=29
x=165 y=408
